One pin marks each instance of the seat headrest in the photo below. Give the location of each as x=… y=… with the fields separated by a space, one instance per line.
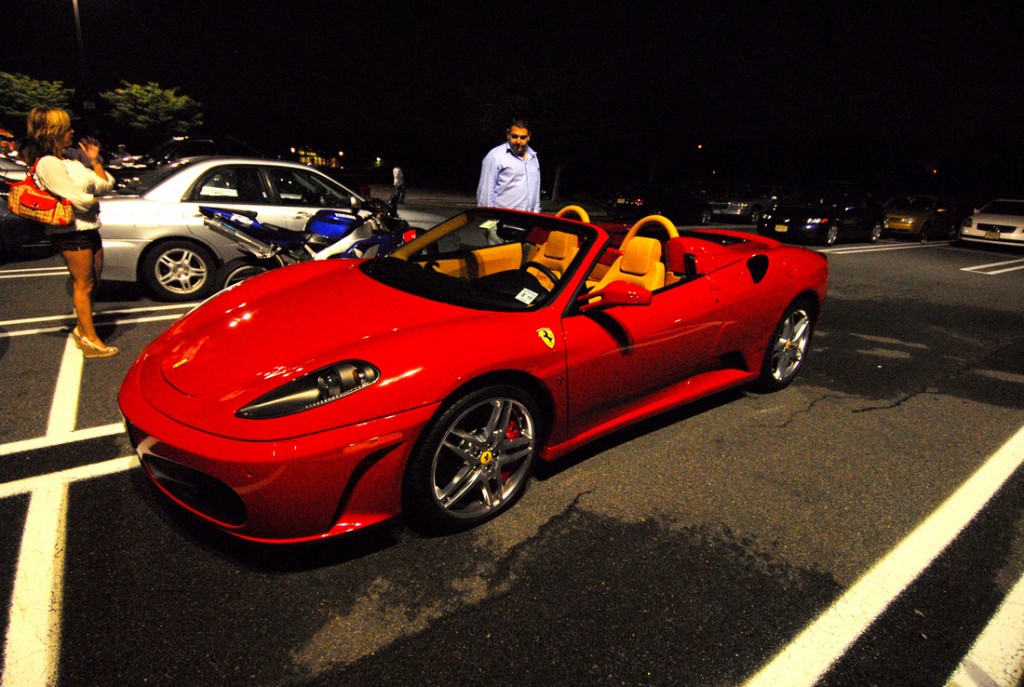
x=560 y=244
x=642 y=253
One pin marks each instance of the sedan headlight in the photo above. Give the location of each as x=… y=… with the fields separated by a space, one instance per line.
x=312 y=390
x=969 y=222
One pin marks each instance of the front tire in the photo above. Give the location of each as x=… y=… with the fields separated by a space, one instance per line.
x=831 y=235
x=473 y=462
x=787 y=349
x=179 y=271
x=876 y=232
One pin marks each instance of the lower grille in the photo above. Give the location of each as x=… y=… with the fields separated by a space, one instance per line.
x=197 y=490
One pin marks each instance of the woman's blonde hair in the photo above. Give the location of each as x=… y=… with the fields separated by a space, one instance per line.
x=45 y=127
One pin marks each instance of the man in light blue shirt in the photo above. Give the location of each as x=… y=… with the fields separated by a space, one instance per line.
x=510 y=174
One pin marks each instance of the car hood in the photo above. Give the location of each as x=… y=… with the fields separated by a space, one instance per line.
x=255 y=335
x=987 y=218
x=913 y=214
x=281 y=325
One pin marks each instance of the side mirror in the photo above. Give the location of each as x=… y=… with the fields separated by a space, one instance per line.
x=616 y=293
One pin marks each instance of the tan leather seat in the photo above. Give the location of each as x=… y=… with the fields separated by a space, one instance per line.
x=640 y=264
x=558 y=251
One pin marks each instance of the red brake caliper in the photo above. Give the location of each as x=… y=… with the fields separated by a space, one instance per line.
x=513 y=432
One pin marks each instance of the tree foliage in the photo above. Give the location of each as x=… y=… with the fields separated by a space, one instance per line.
x=20 y=93
x=151 y=109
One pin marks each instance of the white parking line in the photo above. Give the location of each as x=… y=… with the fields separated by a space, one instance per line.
x=997 y=657
x=34 y=272
x=878 y=248
x=987 y=269
x=32 y=649
x=98 y=315
x=822 y=643
x=64 y=409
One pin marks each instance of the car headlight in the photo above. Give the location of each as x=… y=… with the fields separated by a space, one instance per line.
x=312 y=390
x=969 y=222
x=817 y=220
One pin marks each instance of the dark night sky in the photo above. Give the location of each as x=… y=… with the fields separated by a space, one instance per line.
x=788 y=91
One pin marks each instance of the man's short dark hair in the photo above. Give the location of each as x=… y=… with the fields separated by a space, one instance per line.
x=520 y=122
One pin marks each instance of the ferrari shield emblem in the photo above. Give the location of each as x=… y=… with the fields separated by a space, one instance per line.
x=547 y=336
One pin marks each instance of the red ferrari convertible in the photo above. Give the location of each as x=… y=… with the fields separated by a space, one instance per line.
x=328 y=396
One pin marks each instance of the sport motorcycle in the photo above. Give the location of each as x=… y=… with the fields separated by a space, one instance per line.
x=327 y=234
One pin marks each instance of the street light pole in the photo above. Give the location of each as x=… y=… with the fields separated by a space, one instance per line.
x=87 y=102
x=81 y=45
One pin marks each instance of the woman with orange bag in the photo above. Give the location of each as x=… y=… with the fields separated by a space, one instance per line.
x=49 y=133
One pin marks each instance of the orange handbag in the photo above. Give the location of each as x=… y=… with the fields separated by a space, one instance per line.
x=27 y=200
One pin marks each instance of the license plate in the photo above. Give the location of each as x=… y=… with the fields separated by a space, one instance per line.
x=781 y=227
x=620 y=201
x=992 y=235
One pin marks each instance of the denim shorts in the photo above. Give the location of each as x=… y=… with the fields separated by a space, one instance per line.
x=77 y=240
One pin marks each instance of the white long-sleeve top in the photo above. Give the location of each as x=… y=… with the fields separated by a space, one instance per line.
x=72 y=180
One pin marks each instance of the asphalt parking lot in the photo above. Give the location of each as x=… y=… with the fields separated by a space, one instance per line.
x=864 y=526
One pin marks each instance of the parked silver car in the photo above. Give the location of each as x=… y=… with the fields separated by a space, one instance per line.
x=153 y=232
x=746 y=203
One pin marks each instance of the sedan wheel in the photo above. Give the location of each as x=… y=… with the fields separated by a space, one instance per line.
x=876 y=232
x=786 y=349
x=831 y=234
x=474 y=461
x=179 y=271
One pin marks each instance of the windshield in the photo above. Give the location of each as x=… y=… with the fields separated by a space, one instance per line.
x=925 y=203
x=144 y=182
x=1005 y=207
x=825 y=195
x=488 y=259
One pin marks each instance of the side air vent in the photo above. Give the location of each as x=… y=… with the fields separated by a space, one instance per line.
x=758 y=266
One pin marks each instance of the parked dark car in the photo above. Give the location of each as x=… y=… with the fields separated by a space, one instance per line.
x=746 y=202
x=680 y=205
x=179 y=148
x=921 y=217
x=19 y=235
x=829 y=212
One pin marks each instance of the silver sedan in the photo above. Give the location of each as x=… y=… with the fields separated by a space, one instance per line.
x=155 y=234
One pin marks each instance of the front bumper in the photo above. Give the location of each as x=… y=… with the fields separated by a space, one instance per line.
x=288 y=491
x=980 y=234
x=898 y=226
x=792 y=232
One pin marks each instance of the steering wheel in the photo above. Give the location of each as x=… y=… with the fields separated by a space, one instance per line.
x=657 y=220
x=569 y=210
x=543 y=269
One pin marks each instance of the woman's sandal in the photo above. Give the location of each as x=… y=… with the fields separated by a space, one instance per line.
x=77 y=336
x=94 y=350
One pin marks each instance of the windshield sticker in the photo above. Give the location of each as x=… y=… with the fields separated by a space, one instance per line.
x=489 y=224
x=526 y=296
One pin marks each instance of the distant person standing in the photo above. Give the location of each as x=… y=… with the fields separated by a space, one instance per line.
x=399 y=193
x=510 y=174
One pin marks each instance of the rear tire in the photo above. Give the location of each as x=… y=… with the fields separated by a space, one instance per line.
x=787 y=349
